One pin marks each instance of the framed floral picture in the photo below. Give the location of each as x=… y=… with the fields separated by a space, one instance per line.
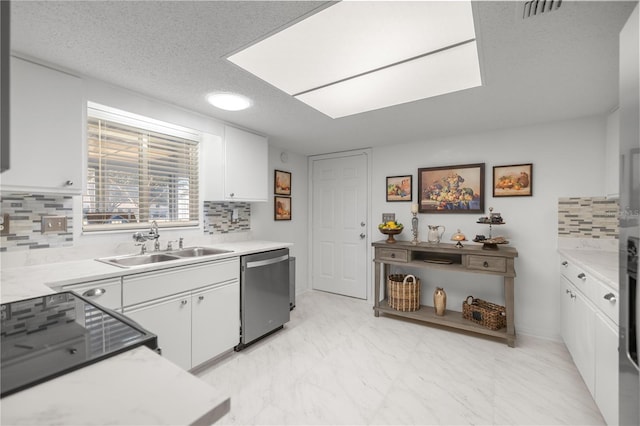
x=282 y=208
x=451 y=189
x=399 y=188
x=513 y=181
x=282 y=183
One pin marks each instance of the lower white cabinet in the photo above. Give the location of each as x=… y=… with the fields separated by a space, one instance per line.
x=107 y=293
x=200 y=321
x=606 y=393
x=170 y=320
x=587 y=310
x=215 y=321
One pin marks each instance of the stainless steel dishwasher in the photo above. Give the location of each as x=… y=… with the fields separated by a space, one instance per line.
x=264 y=294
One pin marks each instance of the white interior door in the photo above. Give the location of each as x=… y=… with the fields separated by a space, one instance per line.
x=339 y=228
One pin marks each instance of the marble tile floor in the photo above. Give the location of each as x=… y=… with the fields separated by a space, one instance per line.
x=335 y=363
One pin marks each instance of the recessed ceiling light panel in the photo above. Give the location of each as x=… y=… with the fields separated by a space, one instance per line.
x=447 y=71
x=352 y=40
x=229 y=101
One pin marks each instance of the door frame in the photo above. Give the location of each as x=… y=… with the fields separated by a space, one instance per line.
x=368 y=153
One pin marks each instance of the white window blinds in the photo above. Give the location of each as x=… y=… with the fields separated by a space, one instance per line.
x=139 y=171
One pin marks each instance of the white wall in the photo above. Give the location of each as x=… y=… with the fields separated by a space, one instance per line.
x=568 y=160
x=264 y=227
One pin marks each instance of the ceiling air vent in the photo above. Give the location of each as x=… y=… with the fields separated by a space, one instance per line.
x=538 y=7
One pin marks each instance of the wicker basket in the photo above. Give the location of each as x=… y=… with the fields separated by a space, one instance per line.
x=402 y=294
x=484 y=313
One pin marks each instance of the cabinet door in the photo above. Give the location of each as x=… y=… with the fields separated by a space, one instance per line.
x=170 y=320
x=567 y=314
x=46 y=130
x=583 y=323
x=246 y=166
x=606 y=361
x=215 y=321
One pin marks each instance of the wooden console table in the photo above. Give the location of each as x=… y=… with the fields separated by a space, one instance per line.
x=472 y=259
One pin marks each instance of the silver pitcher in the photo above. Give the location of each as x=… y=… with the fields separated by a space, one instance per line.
x=434 y=235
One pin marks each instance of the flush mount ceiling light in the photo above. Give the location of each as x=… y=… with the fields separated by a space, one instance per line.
x=357 y=56
x=229 y=101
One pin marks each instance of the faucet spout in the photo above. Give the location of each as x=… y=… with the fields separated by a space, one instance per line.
x=153 y=233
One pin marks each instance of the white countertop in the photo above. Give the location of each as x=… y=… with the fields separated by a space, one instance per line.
x=136 y=387
x=33 y=281
x=603 y=265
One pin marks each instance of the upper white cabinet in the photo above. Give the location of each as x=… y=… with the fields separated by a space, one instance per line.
x=612 y=155
x=46 y=130
x=235 y=167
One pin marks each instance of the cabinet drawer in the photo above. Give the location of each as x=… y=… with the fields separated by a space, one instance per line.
x=487 y=263
x=396 y=255
x=165 y=282
x=576 y=276
x=107 y=293
x=606 y=299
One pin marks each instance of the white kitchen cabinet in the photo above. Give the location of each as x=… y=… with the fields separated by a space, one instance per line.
x=194 y=310
x=235 y=167
x=215 y=321
x=612 y=155
x=578 y=325
x=107 y=293
x=590 y=332
x=170 y=320
x=46 y=131
x=606 y=361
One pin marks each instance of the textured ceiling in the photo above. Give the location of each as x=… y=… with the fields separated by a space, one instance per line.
x=555 y=66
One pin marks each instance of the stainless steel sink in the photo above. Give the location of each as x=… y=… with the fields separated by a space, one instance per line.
x=139 y=259
x=198 y=251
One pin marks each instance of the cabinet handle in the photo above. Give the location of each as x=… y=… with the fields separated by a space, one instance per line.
x=94 y=292
x=565 y=263
x=573 y=296
x=485 y=264
x=393 y=255
x=200 y=297
x=582 y=276
x=232 y=194
x=69 y=183
x=610 y=297
x=567 y=291
x=183 y=302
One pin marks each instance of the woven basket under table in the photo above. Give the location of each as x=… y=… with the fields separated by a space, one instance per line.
x=403 y=292
x=484 y=313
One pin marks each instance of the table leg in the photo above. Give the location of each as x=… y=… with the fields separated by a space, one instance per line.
x=376 y=291
x=509 y=307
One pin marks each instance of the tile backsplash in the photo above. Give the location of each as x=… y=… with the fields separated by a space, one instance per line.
x=588 y=217
x=25 y=221
x=217 y=217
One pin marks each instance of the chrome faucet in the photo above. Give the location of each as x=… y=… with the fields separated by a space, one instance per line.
x=153 y=233
x=140 y=240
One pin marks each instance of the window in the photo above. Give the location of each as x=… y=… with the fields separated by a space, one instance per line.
x=138 y=170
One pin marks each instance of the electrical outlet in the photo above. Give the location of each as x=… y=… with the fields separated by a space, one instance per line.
x=52 y=224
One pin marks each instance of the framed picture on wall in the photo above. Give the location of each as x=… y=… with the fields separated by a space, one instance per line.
x=282 y=183
x=282 y=208
x=451 y=189
x=399 y=188
x=513 y=181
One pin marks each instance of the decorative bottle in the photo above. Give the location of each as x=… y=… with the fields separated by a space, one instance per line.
x=440 y=301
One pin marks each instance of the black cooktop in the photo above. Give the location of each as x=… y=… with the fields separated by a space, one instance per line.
x=48 y=336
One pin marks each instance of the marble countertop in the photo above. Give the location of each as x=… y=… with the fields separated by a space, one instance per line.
x=136 y=387
x=603 y=265
x=32 y=281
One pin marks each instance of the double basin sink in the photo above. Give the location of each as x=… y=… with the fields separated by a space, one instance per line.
x=146 y=259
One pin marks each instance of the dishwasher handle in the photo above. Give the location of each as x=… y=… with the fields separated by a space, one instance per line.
x=266 y=262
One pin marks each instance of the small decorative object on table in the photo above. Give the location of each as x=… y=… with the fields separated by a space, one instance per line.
x=391 y=228
x=403 y=292
x=459 y=237
x=484 y=313
x=440 y=301
x=490 y=243
x=414 y=224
